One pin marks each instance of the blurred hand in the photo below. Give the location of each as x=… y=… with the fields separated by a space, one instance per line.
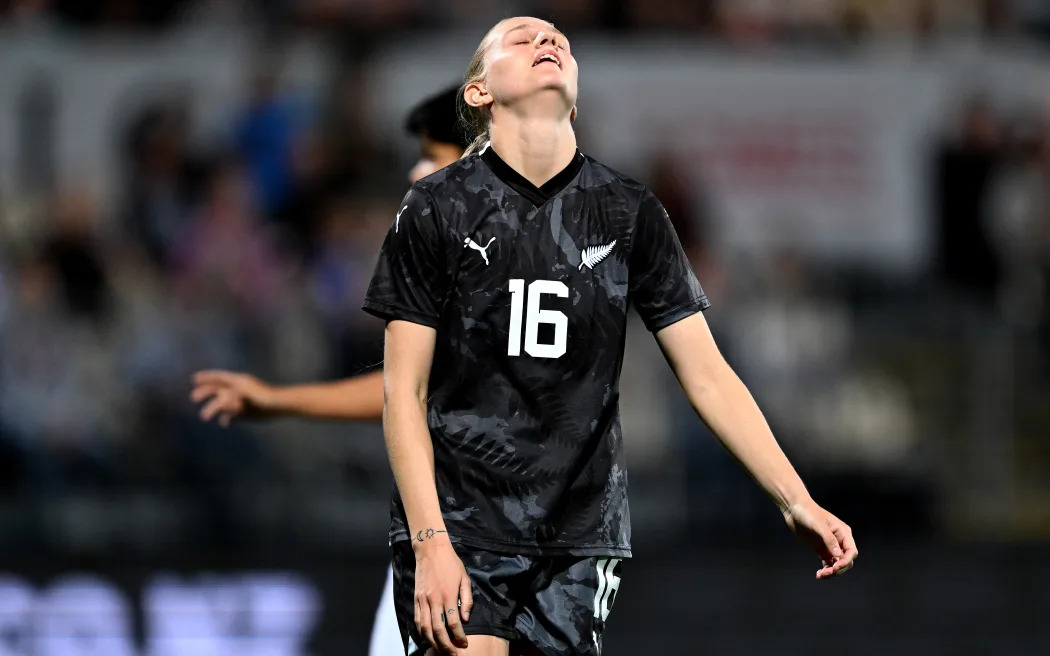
x=441 y=585
x=228 y=395
x=826 y=534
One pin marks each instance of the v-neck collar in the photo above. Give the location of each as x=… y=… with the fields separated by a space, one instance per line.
x=519 y=183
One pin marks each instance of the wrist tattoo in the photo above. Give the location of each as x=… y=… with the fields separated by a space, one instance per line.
x=426 y=534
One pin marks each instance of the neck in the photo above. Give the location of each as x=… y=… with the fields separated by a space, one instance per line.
x=536 y=147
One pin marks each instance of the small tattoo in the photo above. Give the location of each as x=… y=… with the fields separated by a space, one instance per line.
x=426 y=534
x=450 y=611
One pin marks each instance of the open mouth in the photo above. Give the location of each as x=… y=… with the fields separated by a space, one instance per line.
x=548 y=56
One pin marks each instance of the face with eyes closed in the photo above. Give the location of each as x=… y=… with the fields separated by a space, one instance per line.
x=526 y=58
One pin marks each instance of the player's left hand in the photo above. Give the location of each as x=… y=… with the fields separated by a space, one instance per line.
x=828 y=535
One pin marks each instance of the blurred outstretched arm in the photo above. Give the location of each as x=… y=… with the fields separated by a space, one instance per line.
x=227 y=395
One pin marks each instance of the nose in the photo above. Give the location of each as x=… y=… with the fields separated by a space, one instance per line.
x=544 y=38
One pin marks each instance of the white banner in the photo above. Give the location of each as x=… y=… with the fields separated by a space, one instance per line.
x=830 y=161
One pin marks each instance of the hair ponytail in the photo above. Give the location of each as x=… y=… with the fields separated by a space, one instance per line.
x=477 y=145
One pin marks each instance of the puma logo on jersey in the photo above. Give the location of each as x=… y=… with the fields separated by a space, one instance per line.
x=592 y=255
x=473 y=244
x=397 y=219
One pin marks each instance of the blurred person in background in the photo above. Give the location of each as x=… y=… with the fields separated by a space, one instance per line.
x=165 y=179
x=511 y=517
x=227 y=395
x=966 y=167
x=58 y=397
x=226 y=247
x=76 y=255
x=267 y=133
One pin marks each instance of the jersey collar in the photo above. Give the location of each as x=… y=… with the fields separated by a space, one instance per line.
x=516 y=181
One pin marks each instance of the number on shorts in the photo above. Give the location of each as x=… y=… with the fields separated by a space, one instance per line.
x=608 y=584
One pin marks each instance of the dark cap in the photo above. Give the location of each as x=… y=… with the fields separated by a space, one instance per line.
x=437 y=117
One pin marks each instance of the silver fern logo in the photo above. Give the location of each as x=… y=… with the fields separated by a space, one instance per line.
x=592 y=255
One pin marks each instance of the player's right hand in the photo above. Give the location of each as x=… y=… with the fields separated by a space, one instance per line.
x=443 y=598
x=227 y=395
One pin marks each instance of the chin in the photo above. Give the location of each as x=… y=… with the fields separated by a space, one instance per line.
x=553 y=82
x=551 y=87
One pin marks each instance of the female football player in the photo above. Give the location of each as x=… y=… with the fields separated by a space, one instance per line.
x=505 y=283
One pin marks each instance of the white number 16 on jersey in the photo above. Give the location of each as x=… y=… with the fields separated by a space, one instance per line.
x=534 y=316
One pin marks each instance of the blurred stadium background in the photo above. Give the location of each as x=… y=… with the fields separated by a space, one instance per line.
x=862 y=185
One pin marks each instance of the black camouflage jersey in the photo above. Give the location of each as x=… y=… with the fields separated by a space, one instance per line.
x=528 y=288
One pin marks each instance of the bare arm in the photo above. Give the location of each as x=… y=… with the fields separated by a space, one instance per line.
x=409 y=351
x=441 y=580
x=231 y=394
x=724 y=403
x=352 y=399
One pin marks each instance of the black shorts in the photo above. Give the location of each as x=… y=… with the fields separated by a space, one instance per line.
x=559 y=604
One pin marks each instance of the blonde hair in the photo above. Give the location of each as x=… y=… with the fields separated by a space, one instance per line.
x=477 y=119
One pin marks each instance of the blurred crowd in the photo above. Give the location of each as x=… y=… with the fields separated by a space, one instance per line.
x=744 y=21
x=253 y=253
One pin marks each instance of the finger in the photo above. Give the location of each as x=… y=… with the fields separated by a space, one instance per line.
x=201 y=392
x=466 y=598
x=425 y=622
x=452 y=623
x=437 y=618
x=832 y=551
x=212 y=408
x=844 y=535
x=416 y=618
x=846 y=562
x=219 y=377
x=225 y=419
x=825 y=572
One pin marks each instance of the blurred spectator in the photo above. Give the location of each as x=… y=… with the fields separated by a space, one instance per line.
x=689 y=218
x=341 y=268
x=1020 y=211
x=349 y=242
x=225 y=250
x=314 y=184
x=266 y=133
x=965 y=168
x=58 y=397
x=164 y=177
x=74 y=253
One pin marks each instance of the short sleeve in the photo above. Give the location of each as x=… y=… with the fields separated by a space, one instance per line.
x=412 y=276
x=662 y=287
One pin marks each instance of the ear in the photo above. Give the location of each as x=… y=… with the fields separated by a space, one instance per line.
x=573 y=113
x=477 y=95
